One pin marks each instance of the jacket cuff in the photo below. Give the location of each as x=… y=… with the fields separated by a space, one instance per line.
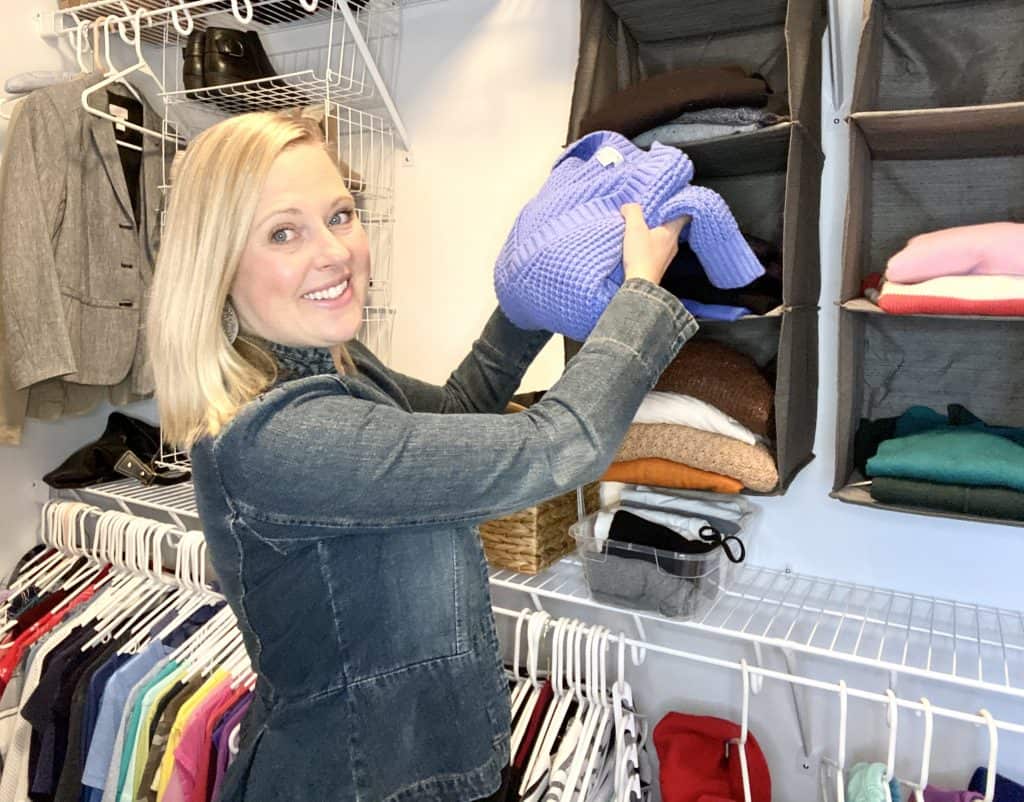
x=647 y=320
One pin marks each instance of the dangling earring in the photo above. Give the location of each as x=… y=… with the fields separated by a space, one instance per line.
x=229 y=321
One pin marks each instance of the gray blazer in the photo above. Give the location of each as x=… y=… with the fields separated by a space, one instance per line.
x=74 y=266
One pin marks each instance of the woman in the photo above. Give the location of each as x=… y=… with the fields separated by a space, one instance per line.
x=338 y=497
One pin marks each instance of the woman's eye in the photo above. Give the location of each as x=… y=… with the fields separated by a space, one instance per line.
x=282 y=236
x=339 y=218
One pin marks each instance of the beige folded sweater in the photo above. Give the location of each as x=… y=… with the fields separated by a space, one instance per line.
x=752 y=465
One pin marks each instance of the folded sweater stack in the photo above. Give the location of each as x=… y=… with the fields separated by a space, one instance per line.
x=954 y=462
x=701 y=426
x=966 y=270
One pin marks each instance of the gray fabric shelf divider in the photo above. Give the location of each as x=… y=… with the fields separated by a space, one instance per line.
x=914 y=172
x=622 y=41
x=939 y=53
x=770 y=178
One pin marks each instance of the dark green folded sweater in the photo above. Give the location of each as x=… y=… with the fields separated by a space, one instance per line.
x=992 y=502
x=958 y=456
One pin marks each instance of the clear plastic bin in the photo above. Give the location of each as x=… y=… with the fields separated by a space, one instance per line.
x=682 y=586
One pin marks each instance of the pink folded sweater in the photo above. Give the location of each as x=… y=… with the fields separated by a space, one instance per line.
x=983 y=249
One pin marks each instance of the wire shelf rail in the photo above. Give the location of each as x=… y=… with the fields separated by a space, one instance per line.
x=963 y=644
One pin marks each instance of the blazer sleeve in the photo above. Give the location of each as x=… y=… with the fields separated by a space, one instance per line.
x=312 y=462
x=486 y=379
x=32 y=202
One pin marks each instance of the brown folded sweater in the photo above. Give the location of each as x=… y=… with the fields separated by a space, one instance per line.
x=752 y=465
x=725 y=378
x=664 y=97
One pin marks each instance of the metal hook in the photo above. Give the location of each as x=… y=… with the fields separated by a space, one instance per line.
x=187 y=28
x=245 y=18
x=993 y=753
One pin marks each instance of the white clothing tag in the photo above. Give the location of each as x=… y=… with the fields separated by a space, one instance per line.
x=608 y=156
x=121 y=113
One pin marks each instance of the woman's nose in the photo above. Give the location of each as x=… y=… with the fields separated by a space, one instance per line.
x=330 y=248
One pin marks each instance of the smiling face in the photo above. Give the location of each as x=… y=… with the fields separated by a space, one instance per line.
x=303 y=274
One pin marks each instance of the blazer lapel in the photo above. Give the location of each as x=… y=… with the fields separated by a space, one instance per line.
x=103 y=136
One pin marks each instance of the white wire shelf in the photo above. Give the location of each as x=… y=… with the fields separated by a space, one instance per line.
x=963 y=644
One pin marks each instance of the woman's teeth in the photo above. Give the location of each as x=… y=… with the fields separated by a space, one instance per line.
x=329 y=294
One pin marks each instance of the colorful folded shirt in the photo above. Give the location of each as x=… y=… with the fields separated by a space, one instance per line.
x=962 y=457
x=955 y=295
x=562 y=261
x=982 y=249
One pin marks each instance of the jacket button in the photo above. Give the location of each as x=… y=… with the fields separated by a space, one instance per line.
x=126 y=304
x=127 y=265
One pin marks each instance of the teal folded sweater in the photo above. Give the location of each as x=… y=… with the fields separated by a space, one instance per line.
x=959 y=456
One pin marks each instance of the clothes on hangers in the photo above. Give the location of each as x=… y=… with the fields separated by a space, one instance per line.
x=865 y=782
x=698 y=761
x=935 y=794
x=88 y=711
x=79 y=219
x=1006 y=789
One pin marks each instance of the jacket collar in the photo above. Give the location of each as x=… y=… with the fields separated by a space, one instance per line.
x=299 y=363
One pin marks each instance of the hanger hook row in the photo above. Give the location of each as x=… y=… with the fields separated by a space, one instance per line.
x=183 y=29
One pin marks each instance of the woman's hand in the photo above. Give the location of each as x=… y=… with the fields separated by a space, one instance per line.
x=647 y=252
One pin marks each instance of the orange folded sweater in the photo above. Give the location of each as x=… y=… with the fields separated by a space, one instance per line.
x=665 y=473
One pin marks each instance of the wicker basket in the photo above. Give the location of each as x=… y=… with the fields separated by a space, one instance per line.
x=530 y=540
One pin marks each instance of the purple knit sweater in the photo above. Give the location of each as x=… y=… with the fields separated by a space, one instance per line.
x=562 y=261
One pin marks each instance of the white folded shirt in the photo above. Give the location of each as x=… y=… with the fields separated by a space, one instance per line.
x=685 y=410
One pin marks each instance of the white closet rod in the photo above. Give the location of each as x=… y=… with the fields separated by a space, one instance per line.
x=796 y=679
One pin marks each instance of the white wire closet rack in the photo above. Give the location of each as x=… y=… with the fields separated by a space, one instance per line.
x=963 y=644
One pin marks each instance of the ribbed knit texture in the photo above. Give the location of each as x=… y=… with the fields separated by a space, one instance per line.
x=562 y=261
x=716 y=453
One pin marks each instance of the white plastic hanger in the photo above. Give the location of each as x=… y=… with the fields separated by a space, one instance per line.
x=141 y=66
x=841 y=761
x=892 y=718
x=926 y=756
x=745 y=730
x=993 y=754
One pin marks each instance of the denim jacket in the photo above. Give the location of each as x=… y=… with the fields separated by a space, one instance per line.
x=340 y=513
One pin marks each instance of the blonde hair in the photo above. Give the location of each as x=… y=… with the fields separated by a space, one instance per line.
x=202 y=379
